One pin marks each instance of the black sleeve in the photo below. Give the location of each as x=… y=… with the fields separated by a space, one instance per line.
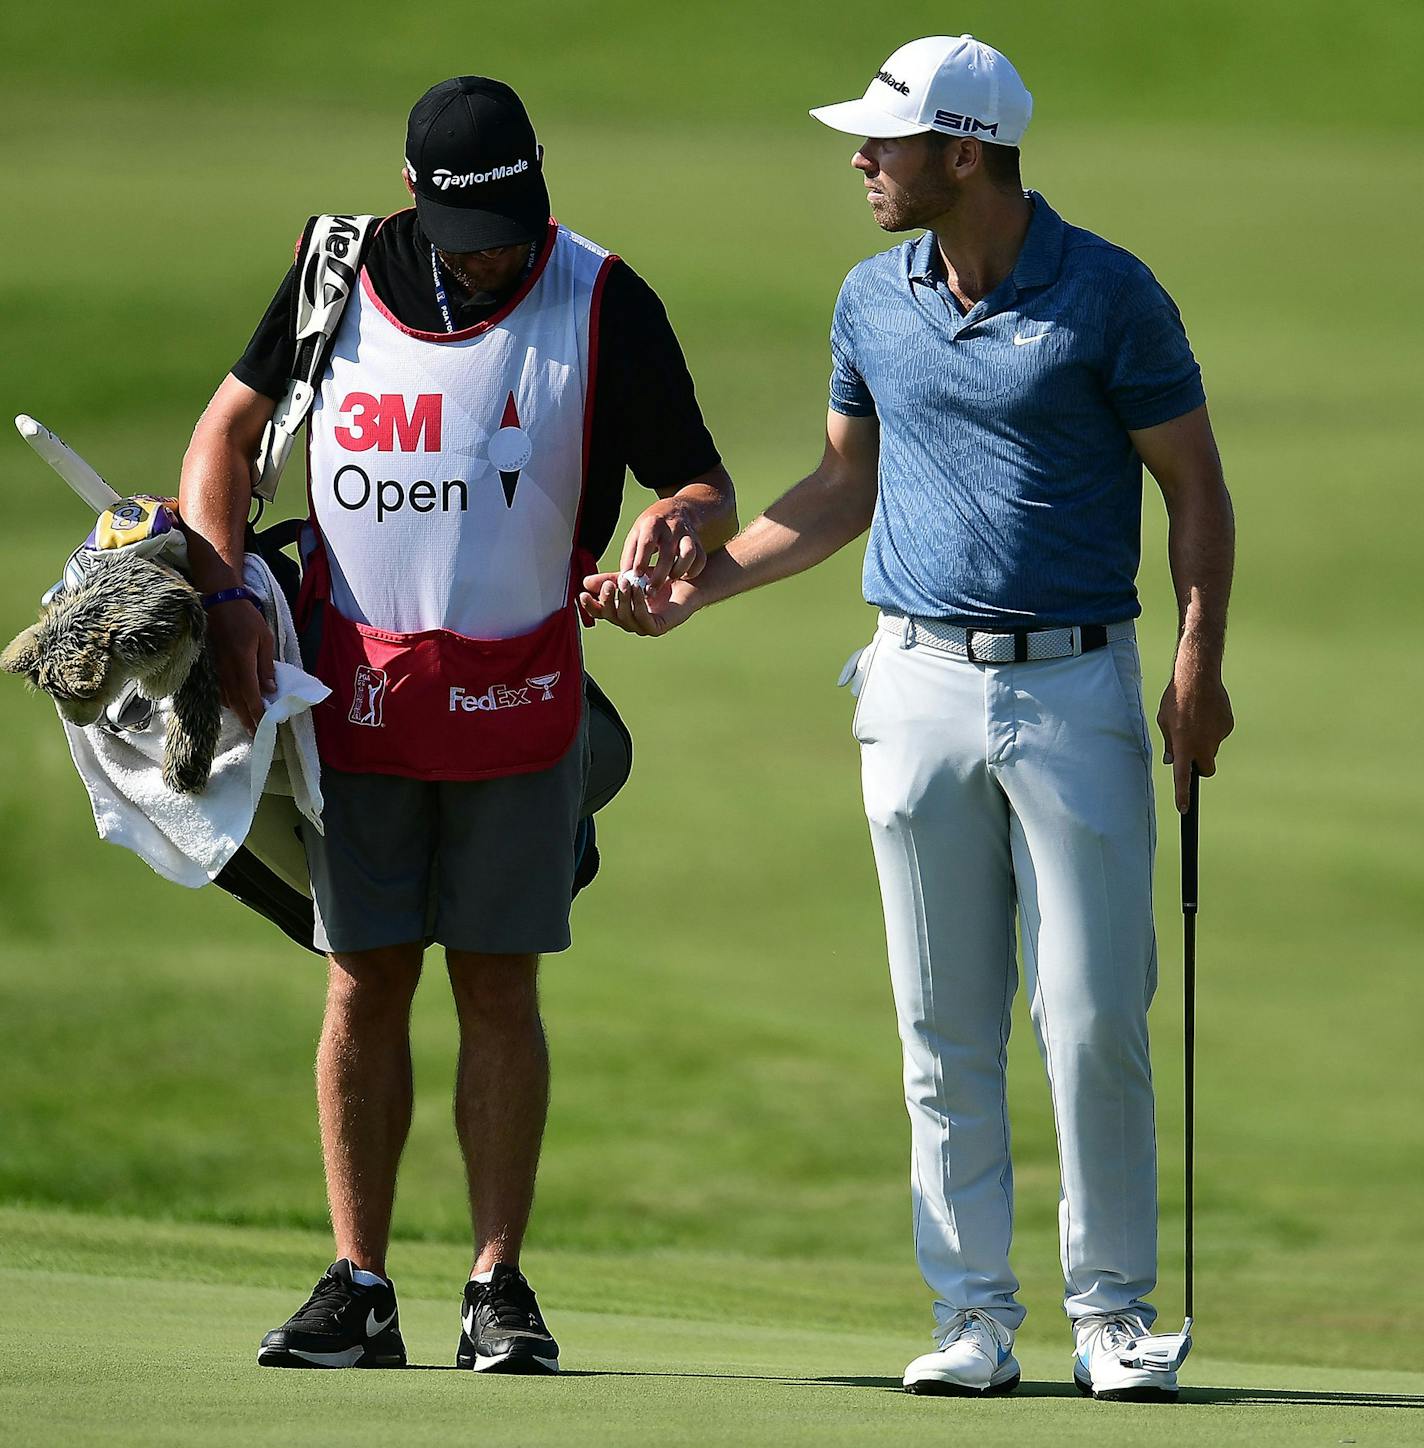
x=646 y=415
x=266 y=365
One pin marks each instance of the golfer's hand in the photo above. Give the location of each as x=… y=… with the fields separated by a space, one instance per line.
x=242 y=651
x=664 y=531
x=651 y=613
x=1195 y=716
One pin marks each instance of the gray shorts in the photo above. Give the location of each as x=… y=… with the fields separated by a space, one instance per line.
x=484 y=865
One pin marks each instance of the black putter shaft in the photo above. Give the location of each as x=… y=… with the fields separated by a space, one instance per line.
x=1189 y=1013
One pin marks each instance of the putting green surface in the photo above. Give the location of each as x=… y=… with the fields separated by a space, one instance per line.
x=134 y=1333
x=722 y=1229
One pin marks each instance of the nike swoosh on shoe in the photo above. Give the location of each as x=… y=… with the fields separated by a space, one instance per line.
x=373 y=1327
x=348 y=1357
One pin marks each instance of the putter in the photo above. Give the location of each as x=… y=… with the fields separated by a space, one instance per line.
x=1163 y=1352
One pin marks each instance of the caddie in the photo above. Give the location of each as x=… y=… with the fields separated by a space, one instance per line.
x=998 y=383
x=493 y=376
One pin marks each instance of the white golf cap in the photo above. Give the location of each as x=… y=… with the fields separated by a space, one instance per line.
x=952 y=84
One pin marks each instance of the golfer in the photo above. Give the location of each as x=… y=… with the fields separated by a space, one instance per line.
x=493 y=376
x=998 y=382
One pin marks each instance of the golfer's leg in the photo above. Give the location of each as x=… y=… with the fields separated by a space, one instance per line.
x=939 y=826
x=363 y=1080
x=1080 y=787
x=501 y=1095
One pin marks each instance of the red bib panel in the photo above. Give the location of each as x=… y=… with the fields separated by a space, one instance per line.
x=438 y=705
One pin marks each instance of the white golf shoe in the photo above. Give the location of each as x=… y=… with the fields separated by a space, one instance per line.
x=1098 y=1370
x=975 y=1355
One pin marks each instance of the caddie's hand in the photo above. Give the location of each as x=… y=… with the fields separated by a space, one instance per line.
x=243 y=649
x=664 y=531
x=1195 y=716
x=650 y=613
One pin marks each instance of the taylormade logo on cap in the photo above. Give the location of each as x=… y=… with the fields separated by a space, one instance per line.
x=446 y=179
x=952 y=84
x=475 y=166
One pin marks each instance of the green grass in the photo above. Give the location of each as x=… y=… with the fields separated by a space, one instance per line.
x=727 y=1143
x=671 y=1347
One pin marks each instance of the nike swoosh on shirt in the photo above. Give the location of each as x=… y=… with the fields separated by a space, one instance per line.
x=373 y=1327
x=1021 y=341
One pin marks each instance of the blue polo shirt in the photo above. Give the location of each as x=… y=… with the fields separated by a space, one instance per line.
x=1010 y=492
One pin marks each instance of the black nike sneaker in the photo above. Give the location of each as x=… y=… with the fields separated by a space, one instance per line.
x=504 y=1331
x=343 y=1324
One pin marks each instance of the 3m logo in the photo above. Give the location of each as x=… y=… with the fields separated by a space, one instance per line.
x=953 y=121
x=368 y=697
x=385 y=424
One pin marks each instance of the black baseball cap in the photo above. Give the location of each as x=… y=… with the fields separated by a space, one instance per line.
x=474 y=162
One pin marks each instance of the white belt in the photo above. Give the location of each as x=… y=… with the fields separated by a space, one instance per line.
x=1010 y=646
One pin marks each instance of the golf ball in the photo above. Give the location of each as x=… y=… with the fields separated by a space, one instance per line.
x=630 y=579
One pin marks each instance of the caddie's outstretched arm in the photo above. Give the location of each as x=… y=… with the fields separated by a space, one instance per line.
x=214 y=497
x=824 y=511
x=682 y=528
x=1195 y=714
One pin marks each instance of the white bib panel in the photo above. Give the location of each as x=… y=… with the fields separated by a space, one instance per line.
x=447 y=472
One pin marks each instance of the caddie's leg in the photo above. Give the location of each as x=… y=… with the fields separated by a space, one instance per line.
x=364 y=1093
x=501 y=1095
x=939 y=826
x=1079 y=784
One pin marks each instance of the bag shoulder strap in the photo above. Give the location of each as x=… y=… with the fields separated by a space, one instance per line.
x=327 y=268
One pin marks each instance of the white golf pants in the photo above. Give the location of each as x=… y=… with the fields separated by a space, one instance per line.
x=996 y=790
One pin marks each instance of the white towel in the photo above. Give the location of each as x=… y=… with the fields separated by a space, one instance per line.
x=188 y=838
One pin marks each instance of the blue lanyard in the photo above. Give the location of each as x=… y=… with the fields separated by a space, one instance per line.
x=441 y=300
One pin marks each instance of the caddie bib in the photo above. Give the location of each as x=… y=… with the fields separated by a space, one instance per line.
x=446 y=478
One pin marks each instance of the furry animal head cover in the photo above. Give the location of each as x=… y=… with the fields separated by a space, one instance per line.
x=132 y=619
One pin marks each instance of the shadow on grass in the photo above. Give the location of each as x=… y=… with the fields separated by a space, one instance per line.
x=1210 y=1397
x=1247 y=1397
x=1218 y=1397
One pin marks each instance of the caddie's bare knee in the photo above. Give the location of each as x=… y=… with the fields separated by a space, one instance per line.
x=501 y=989
x=374 y=982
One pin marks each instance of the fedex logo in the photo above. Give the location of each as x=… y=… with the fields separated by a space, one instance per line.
x=385 y=423
x=497 y=696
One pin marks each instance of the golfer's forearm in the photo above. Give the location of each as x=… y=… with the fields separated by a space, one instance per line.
x=819 y=516
x=1201 y=547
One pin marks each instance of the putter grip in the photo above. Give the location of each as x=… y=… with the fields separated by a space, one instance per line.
x=1189 y=847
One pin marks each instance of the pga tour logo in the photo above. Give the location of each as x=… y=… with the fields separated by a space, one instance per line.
x=368 y=697
x=445 y=179
x=502 y=696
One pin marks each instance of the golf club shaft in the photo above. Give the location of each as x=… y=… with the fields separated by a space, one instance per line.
x=67 y=463
x=1189 y=1016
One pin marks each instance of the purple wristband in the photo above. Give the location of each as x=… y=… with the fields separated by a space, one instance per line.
x=231 y=595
